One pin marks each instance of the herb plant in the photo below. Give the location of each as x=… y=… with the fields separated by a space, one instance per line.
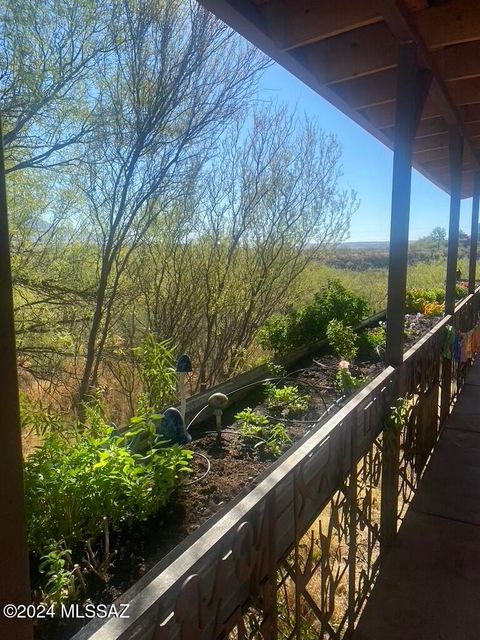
x=342 y=340
x=285 y=399
x=371 y=342
x=80 y=488
x=255 y=429
x=156 y=365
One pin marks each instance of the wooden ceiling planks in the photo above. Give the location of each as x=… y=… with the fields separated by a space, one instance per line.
x=382 y=116
x=368 y=91
x=296 y=23
x=464 y=92
x=352 y=54
x=347 y=51
x=430 y=143
x=453 y=22
x=458 y=61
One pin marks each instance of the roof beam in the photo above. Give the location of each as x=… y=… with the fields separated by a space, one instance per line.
x=350 y=87
x=245 y=18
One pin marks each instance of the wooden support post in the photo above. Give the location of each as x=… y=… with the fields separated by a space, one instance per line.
x=390 y=472
x=412 y=89
x=472 y=272
x=455 y=163
x=14 y=577
x=389 y=495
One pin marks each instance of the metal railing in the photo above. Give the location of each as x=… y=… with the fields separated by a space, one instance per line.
x=297 y=556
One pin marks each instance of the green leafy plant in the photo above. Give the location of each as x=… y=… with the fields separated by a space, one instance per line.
x=309 y=323
x=80 y=489
x=275 y=369
x=398 y=416
x=286 y=399
x=277 y=440
x=345 y=382
x=371 y=342
x=156 y=365
x=255 y=429
x=342 y=340
x=416 y=299
x=274 y=335
x=60 y=585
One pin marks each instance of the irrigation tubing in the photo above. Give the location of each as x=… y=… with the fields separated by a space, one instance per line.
x=236 y=433
x=204 y=475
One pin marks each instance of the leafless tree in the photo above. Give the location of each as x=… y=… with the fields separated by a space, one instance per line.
x=165 y=97
x=267 y=205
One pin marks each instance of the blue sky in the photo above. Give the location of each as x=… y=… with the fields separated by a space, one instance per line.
x=367 y=167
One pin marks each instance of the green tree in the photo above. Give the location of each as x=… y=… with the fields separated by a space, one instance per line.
x=48 y=49
x=439 y=236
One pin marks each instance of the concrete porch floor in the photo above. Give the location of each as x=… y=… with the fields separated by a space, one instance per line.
x=429 y=586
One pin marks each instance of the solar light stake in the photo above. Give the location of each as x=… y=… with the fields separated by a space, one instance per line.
x=183 y=367
x=218 y=402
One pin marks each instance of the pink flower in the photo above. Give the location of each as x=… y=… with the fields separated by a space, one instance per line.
x=343 y=364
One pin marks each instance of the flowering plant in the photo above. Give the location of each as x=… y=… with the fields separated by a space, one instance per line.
x=345 y=382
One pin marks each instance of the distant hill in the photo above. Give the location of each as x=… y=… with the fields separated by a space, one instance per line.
x=367 y=246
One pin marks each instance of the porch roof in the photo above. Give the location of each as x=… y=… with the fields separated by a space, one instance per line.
x=347 y=51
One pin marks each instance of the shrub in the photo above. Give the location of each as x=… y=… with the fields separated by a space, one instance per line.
x=342 y=340
x=78 y=490
x=342 y=304
x=287 y=399
x=417 y=299
x=255 y=428
x=371 y=342
x=461 y=291
x=309 y=324
x=439 y=294
x=156 y=365
x=274 y=334
x=433 y=309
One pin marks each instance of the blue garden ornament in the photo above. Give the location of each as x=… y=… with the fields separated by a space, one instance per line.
x=184 y=364
x=171 y=429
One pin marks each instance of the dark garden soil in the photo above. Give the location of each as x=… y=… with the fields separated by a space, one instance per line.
x=234 y=469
